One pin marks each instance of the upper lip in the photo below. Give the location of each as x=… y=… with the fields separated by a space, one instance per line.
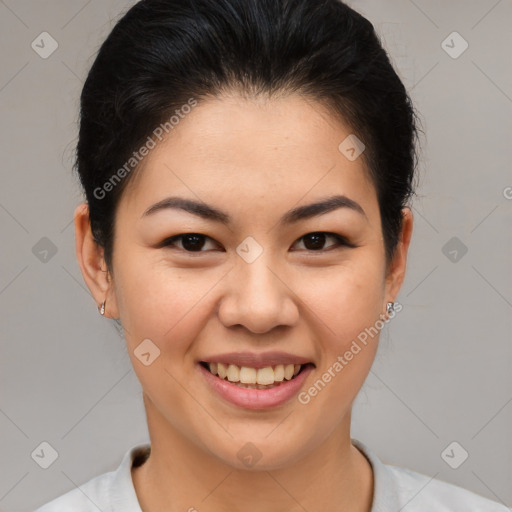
x=255 y=360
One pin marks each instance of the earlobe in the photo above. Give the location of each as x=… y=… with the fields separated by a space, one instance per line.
x=91 y=261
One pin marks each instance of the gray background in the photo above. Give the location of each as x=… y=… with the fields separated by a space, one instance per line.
x=443 y=371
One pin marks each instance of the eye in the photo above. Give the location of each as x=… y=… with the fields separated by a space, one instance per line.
x=315 y=241
x=190 y=242
x=195 y=242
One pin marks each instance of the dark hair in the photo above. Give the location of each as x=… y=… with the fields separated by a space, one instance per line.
x=162 y=53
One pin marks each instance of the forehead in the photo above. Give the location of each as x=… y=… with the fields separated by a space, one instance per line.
x=232 y=149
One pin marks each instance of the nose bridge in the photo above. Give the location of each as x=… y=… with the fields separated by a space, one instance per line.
x=257 y=298
x=260 y=282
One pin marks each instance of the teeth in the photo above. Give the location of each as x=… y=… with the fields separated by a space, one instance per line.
x=288 y=371
x=221 y=370
x=255 y=378
x=233 y=373
x=249 y=375
x=265 y=375
x=279 y=373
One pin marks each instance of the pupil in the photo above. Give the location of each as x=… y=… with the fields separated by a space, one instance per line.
x=318 y=240
x=193 y=242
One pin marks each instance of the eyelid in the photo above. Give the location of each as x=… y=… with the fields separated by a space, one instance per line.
x=342 y=241
x=169 y=242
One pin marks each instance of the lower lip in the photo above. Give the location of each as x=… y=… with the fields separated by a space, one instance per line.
x=256 y=398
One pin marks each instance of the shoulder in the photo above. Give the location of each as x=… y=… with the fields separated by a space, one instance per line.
x=88 y=497
x=400 y=488
x=112 y=491
x=423 y=493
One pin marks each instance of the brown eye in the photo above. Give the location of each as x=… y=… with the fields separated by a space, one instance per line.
x=316 y=241
x=193 y=242
x=190 y=242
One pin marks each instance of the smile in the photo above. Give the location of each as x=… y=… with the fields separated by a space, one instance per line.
x=255 y=388
x=255 y=378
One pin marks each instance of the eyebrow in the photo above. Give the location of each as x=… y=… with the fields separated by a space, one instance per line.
x=294 y=215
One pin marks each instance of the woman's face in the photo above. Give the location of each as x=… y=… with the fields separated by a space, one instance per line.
x=264 y=282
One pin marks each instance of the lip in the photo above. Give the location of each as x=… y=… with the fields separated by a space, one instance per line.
x=256 y=398
x=255 y=360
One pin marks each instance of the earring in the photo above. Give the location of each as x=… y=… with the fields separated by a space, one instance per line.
x=390 y=307
x=102 y=308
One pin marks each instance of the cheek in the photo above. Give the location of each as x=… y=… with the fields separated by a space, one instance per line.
x=348 y=308
x=166 y=306
x=348 y=298
x=161 y=303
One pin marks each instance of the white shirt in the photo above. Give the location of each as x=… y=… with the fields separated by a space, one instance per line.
x=395 y=489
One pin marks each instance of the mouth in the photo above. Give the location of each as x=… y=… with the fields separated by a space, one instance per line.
x=256 y=378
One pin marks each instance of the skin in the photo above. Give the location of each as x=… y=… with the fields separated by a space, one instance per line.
x=255 y=159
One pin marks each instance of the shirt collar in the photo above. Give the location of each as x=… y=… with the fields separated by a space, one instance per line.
x=123 y=497
x=384 y=488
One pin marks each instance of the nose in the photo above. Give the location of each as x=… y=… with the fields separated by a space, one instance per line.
x=258 y=298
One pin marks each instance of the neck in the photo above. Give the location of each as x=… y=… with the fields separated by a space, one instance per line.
x=180 y=476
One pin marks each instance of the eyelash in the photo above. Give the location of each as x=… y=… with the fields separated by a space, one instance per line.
x=341 y=241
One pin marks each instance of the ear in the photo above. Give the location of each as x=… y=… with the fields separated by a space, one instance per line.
x=396 y=269
x=92 y=263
